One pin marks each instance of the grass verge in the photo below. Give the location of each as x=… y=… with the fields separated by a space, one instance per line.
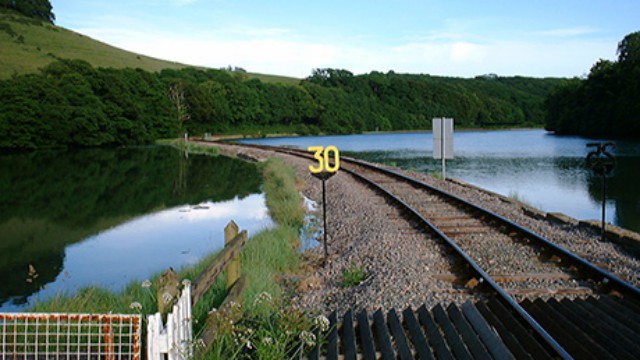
x=189 y=147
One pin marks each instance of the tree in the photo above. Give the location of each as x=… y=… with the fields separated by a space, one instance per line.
x=176 y=95
x=606 y=103
x=629 y=49
x=38 y=9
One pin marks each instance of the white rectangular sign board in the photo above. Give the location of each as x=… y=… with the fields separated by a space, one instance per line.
x=442 y=138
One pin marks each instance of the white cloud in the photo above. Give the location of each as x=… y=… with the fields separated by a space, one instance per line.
x=283 y=52
x=464 y=53
x=568 y=32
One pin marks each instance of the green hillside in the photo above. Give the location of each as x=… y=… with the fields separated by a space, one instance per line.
x=28 y=44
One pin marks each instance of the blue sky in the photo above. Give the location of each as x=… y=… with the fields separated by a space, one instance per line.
x=447 y=37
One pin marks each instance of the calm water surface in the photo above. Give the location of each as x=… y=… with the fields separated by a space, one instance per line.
x=108 y=217
x=539 y=168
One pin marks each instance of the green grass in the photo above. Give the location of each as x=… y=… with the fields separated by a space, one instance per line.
x=283 y=198
x=42 y=43
x=28 y=45
x=436 y=174
x=353 y=275
x=517 y=197
x=191 y=148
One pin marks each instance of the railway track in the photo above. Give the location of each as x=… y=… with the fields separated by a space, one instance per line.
x=521 y=264
x=480 y=234
x=492 y=247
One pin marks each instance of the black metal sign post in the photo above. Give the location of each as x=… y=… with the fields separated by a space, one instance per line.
x=324 y=176
x=324 y=171
x=602 y=162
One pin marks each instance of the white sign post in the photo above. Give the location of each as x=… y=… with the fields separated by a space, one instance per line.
x=443 y=141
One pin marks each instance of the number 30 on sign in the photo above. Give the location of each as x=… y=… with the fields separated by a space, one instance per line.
x=323 y=155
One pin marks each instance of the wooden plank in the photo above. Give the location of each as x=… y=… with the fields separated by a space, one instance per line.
x=419 y=341
x=366 y=336
x=233 y=269
x=314 y=354
x=209 y=330
x=466 y=230
x=489 y=338
x=607 y=314
x=622 y=311
x=348 y=336
x=451 y=334
x=582 y=335
x=512 y=343
x=466 y=331
x=382 y=335
x=404 y=352
x=435 y=338
x=502 y=278
x=524 y=336
x=235 y=293
x=569 y=337
x=208 y=277
x=332 y=344
x=620 y=347
x=535 y=293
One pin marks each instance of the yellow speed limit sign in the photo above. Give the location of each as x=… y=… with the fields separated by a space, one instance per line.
x=323 y=155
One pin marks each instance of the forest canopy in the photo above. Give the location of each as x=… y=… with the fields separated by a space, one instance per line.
x=72 y=104
x=606 y=103
x=38 y=9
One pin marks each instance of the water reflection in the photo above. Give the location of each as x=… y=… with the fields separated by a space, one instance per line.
x=622 y=191
x=544 y=170
x=55 y=206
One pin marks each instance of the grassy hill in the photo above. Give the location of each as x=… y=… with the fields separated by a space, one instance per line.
x=27 y=45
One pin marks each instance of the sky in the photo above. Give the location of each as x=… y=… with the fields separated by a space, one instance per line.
x=463 y=38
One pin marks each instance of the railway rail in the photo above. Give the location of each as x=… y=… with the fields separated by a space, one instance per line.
x=474 y=233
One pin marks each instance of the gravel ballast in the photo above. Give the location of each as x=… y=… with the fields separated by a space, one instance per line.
x=403 y=266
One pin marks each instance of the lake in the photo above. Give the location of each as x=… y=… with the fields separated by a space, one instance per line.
x=109 y=217
x=537 y=167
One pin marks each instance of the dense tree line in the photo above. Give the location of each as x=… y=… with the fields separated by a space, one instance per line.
x=70 y=103
x=37 y=9
x=403 y=101
x=606 y=103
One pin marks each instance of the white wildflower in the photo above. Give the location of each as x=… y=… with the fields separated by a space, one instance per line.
x=146 y=284
x=234 y=306
x=200 y=344
x=262 y=297
x=308 y=338
x=135 y=305
x=267 y=341
x=248 y=344
x=321 y=322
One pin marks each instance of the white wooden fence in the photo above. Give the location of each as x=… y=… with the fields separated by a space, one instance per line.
x=175 y=338
x=114 y=337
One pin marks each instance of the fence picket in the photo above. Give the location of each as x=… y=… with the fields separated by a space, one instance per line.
x=175 y=340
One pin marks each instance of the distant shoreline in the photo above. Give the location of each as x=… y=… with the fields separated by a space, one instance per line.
x=275 y=135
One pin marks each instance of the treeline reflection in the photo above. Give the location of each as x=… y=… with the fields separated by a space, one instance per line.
x=54 y=199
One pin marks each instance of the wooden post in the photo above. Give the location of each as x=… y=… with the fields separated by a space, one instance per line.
x=168 y=292
x=233 y=270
